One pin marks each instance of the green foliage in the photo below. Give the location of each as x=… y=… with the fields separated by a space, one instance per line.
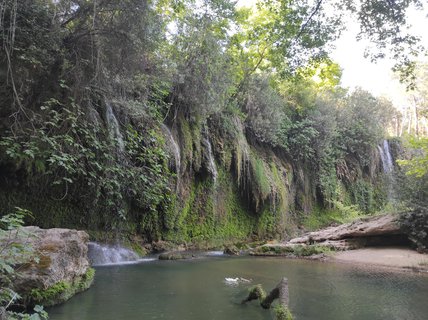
x=66 y=153
x=257 y=292
x=187 y=63
x=261 y=184
x=339 y=213
x=263 y=108
x=43 y=295
x=60 y=291
x=415 y=224
x=414 y=193
x=418 y=165
x=363 y=195
x=212 y=215
x=297 y=250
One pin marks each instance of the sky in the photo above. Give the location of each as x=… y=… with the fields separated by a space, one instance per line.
x=374 y=77
x=361 y=72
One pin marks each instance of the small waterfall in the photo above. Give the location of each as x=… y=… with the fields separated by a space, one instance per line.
x=174 y=148
x=388 y=169
x=113 y=127
x=103 y=255
x=212 y=169
x=242 y=154
x=385 y=155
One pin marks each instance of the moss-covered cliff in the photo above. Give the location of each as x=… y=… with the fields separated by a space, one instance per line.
x=111 y=123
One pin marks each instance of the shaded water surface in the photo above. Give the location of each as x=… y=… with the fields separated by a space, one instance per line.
x=195 y=290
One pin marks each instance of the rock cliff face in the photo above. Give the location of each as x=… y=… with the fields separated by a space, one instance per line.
x=60 y=268
x=372 y=231
x=373 y=226
x=365 y=232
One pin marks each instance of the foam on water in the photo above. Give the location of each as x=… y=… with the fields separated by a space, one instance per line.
x=107 y=255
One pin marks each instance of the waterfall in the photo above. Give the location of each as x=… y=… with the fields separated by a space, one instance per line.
x=242 y=154
x=103 y=255
x=212 y=169
x=385 y=155
x=113 y=127
x=174 y=148
x=388 y=169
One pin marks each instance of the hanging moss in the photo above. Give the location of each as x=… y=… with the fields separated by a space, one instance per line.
x=213 y=214
x=282 y=313
x=261 y=184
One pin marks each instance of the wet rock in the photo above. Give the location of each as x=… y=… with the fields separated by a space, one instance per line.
x=232 y=251
x=385 y=225
x=175 y=255
x=60 y=269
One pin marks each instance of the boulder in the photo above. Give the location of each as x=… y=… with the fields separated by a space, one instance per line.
x=232 y=251
x=175 y=255
x=59 y=269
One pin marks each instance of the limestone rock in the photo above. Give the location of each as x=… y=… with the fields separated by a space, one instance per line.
x=367 y=227
x=61 y=268
x=175 y=255
x=232 y=251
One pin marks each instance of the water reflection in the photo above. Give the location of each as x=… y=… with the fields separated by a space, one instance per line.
x=195 y=290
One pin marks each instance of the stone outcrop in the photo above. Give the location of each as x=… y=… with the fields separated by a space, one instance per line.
x=232 y=251
x=175 y=255
x=371 y=231
x=59 y=269
x=368 y=227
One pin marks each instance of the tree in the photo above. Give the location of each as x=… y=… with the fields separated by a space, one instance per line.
x=417 y=166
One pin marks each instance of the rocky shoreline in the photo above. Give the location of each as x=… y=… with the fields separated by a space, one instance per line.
x=62 y=269
x=372 y=241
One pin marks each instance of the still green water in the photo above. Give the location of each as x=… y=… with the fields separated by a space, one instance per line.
x=195 y=290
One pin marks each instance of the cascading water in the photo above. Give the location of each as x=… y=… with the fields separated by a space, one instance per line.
x=385 y=155
x=242 y=154
x=174 y=147
x=388 y=168
x=212 y=168
x=104 y=255
x=113 y=127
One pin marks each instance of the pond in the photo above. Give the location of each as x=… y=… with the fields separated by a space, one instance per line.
x=196 y=290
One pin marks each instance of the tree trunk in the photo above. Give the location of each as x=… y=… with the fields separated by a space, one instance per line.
x=280 y=292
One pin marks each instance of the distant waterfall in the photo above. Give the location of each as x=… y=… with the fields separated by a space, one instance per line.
x=113 y=128
x=388 y=168
x=174 y=148
x=385 y=155
x=104 y=255
x=212 y=168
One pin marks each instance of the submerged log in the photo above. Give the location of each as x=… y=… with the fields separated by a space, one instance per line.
x=280 y=292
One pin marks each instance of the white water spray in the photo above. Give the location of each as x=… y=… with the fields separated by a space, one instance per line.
x=105 y=255
x=174 y=148
x=385 y=155
x=212 y=168
x=388 y=169
x=114 y=128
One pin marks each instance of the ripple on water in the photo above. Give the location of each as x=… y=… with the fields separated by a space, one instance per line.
x=195 y=290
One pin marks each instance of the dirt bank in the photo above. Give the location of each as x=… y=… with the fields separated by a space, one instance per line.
x=394 y=258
